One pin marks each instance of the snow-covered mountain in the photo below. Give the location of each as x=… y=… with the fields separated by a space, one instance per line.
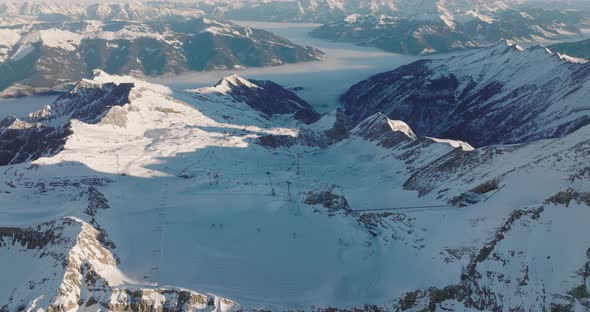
x=262 y=10
x=45 y=57
x=331 y=10
x=44 y=132
x=497 y=95
x=78 y=10
x=169 y=200
x=445 y=30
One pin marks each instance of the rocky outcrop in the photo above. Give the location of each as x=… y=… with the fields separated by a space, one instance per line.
x=96 y=201
x=338 y=130
x=568 y=196
x=86 y=275
x=45 y=132
x=267 y=97
x=22 y=141
x=334 y=204
x=384 y=131
x=476 y=291
x=88 y=102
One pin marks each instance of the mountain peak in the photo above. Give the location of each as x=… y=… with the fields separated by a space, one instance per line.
x=98 y=73
x=265 y=97
x=378 y=127
x=505 y=46
x=232 y=81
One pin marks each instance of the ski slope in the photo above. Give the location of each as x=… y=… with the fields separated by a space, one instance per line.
x=173 y=192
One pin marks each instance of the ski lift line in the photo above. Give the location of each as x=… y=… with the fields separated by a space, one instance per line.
x=494 y=193
x=404 y=208
x=423 y=207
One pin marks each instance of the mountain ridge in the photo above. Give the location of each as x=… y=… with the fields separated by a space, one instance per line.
x=51 y=56
x=483 y=97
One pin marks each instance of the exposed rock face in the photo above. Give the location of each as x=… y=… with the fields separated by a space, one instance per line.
x=22 y=141
x=88 y=102
x=495 y=95
x=267 y=97
x=568 y=196
x=385 y=227
x=333 y=203
x=90 y=274
x=338 y=130
x=96 y=201
x=476 y=289
x=389 y=227
x=45 y=132
x=383 y=131
x=39 y=237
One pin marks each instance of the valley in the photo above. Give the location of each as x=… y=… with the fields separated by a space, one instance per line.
x=283 y=172
x=322 y=82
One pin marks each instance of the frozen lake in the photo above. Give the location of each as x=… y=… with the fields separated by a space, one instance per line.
x=323 y=82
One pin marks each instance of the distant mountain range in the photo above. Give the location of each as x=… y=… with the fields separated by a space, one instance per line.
x=43 y=57
x=402 y=26
x=450 y=32
x=13 y=11
x=417 y=27
x=498 y=95
x=325 y=11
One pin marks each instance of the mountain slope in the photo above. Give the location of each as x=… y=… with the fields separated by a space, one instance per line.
x=48 y=56
x=159 y=197
x=77 y=271
x=44 y=132
x=490 y=96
